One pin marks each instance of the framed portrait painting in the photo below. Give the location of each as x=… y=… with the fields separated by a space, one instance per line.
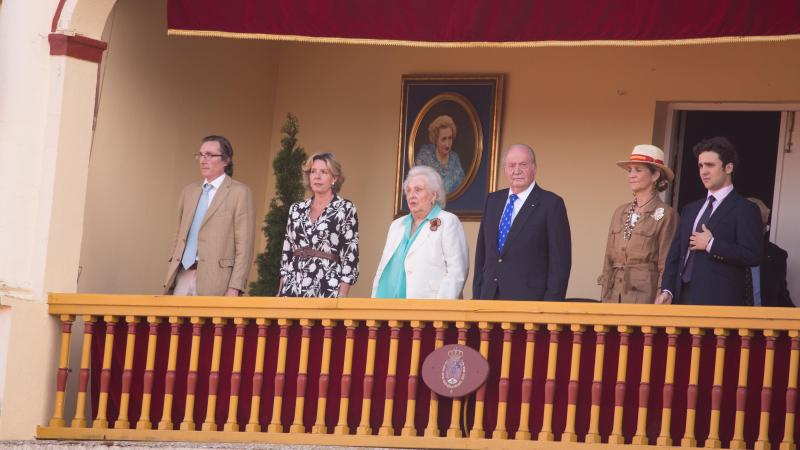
x=452 y=124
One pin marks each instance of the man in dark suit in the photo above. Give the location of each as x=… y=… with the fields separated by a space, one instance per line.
x=524 y=249
x=767 y=282
x=718 y=239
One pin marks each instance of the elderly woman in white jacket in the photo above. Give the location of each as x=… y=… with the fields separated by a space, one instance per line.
x=426 y=253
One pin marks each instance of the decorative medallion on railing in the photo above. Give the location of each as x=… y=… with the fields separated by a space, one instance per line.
x=455 y=370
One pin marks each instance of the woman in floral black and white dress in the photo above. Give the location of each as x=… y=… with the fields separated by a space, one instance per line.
x=320 y=250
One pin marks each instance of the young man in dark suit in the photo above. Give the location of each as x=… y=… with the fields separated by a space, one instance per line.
x=524 y=249
x=718 y=239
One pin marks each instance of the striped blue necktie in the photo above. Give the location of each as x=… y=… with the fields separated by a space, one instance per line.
x=190 y=251
x=505 y=222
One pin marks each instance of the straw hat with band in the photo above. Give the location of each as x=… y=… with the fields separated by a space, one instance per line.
x=648 y=154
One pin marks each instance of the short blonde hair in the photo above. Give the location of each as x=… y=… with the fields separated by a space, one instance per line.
x=433 y=181
x=437 y=125
x=333 y=166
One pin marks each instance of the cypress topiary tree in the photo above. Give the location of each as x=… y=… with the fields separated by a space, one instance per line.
x=288 y=166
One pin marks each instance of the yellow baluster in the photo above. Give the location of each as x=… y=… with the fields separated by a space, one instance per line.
x=616 y=436
x=432 y=429
x=569 y=434
x=664 y=438
x=324 y=376
x=524 y=433
x=550 y=385
x=500 y=431
x=210 y=423
x=302 y=377
x=275 y=425
x=791 y=394
x=191 y=375
x=79 y=420
x=477 y=428
x=366 y=403
x=149 y=368
x=737 y=442
x=454 y=431
x=169 y=378
x=101 y=421
x=127 y=375
x=762 y=443
x=342 y=428
x=593 y=436
x=232 y=423
x=411 y=403
x=640 y=438
x=63 y=370
x=688 y=439
x=258 y=376
x=391 y=378
x=713 y=440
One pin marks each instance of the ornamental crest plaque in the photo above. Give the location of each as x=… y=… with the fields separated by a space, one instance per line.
x=455 y=370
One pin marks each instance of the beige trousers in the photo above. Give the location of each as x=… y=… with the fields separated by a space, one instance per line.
x=185 y=282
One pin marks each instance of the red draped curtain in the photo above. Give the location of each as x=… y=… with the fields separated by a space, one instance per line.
x=489 y=22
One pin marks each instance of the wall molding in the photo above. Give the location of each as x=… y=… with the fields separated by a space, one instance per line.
x=77 y=46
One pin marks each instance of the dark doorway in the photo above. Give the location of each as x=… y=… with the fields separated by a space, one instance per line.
x=755 y=135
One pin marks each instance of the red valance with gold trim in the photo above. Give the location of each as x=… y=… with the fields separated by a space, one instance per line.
x=490 y=23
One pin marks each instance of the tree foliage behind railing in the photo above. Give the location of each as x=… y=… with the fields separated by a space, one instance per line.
x=288 y=189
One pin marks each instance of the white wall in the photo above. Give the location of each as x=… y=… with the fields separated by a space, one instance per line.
x=25 y=79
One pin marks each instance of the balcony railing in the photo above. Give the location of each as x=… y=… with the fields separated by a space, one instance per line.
x=347 y=372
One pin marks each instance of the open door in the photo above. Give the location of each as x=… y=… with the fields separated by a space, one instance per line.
x=768 y=143
x=785 y=230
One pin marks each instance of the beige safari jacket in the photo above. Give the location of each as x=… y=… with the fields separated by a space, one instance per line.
x=632 y=269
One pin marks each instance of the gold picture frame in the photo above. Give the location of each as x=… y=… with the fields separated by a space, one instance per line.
x=473 y=103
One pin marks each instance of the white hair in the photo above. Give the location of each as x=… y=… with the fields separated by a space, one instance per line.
x=522 y=146
x=433 y=182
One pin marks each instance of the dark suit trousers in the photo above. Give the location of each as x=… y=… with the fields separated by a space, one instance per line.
x=685 y=290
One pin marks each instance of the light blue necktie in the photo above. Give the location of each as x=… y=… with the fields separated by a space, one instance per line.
x=190 y=251
x=756 y=274
x=505 y=222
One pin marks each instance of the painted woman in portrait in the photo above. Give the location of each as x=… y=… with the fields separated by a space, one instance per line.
x=439 y=154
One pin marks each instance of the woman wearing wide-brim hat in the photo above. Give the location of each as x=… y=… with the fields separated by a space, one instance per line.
x=640 y=233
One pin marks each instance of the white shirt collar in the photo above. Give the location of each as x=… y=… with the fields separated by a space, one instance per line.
x=217 y=182
x=720 y=194
x=524 y=194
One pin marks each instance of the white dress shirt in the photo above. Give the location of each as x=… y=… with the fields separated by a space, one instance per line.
x=719 y=196
x=521 y=197
x=214 y=187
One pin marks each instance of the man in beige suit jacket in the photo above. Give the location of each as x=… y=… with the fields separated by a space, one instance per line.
x=213 y=248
